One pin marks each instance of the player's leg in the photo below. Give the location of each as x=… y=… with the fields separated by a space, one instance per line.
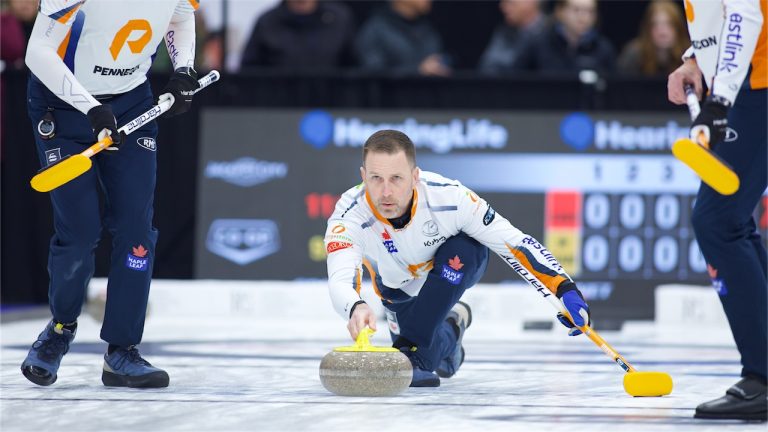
x=428 y=323
x=725 y=231
x=128 y=177
x=77 y=228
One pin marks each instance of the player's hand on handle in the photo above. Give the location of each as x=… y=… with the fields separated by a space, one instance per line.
x=362 y=316
x=712 y=122
x=104 y=124
x=181 y=86
x=576 y=306
x=687 y=73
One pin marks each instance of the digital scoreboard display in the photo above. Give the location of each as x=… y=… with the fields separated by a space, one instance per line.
x=601 y=190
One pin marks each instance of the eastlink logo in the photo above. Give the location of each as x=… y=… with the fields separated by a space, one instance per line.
x=732 y=43
x=319 y=129
x=246 y=171
x=579 y=131
x=243 y=241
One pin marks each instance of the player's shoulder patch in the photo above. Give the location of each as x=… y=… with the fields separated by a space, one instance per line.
x=62 y=11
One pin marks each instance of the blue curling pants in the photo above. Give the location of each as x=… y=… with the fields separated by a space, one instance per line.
x=726 y=232
x=127 y=178
x=421 y=319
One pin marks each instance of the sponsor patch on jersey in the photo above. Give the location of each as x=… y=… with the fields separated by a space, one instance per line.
x=137 y=259
x=490 y=214
x=434 y=241
x=338 y=229
x=430 y=228
x=147 y=142
x=387 y=242
x=337 y=245
x=52 y=156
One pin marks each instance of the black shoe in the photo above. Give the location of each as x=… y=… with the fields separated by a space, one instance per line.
x=746 y=400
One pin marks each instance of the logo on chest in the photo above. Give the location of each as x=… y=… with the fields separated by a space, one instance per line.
x=386 y=240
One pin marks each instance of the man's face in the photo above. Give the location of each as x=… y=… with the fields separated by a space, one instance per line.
x=578 y=16
x=389 y=180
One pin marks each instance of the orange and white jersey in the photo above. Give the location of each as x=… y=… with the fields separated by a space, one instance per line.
x=106 y=45
x=728 y=37
x=357 y=235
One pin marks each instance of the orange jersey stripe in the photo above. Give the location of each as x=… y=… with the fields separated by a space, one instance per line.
x=195 y=4
x=368 y=266
x=551 y=282
x=759 y=77
x=64 y=18
x=62 y=51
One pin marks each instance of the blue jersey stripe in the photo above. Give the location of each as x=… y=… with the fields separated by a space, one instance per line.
x=63 y=12
x=77 y=29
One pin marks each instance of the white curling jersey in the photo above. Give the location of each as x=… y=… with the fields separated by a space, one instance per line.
x=357 y=236
x=728 y=37
x=110 y=43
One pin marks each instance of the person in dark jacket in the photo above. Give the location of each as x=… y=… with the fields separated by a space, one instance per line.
x=302 y=35
x=571 y=44
x=523 y=19
x=399 y=39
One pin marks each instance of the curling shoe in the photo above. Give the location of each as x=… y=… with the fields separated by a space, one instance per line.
x=124 y=367
x=422 y=377
x=745 y=400
x=460 y=318
x=42 y=362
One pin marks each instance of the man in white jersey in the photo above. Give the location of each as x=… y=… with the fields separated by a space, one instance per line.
x=424 y=240
x=89 y=60
x=730 y=52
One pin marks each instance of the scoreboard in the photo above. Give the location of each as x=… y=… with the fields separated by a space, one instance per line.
x=601 y=190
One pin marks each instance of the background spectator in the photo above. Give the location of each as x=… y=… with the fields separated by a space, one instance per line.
x=570 y=44
x=15 y=27
x=523 y=19
x=400 y=39
x=662 y=40
x=302 y=35
x=240 y=18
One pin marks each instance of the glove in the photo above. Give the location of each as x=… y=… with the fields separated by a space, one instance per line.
x=182 y=86
x=712 y=121
x=103 y=123
x=576 y=306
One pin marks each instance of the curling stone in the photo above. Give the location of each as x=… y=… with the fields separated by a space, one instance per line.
x=365 y=370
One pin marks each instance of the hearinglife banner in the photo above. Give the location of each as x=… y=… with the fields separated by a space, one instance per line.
x=600 y=190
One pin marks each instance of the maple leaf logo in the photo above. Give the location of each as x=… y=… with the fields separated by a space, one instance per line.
x=140 y=251
x=455 y=263
x=385 y=235
x=712 y=272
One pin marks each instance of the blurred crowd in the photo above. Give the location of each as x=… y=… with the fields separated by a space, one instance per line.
x=399 y=37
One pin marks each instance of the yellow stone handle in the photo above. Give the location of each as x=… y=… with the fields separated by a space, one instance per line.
x=363 y=344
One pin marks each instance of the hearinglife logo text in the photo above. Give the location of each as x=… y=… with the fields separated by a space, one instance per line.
x=246 y=171
x=579 y=131
x=319 y=129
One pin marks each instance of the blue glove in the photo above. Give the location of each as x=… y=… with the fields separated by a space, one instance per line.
x=578 y=309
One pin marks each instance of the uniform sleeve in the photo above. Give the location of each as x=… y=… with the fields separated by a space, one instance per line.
x=45 y=52
x=180 y=37
x=62 y=11
x=738 y=38
x=529 y=258
x=344 y=245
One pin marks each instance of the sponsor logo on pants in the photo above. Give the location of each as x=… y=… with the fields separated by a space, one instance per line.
x=137 y=259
